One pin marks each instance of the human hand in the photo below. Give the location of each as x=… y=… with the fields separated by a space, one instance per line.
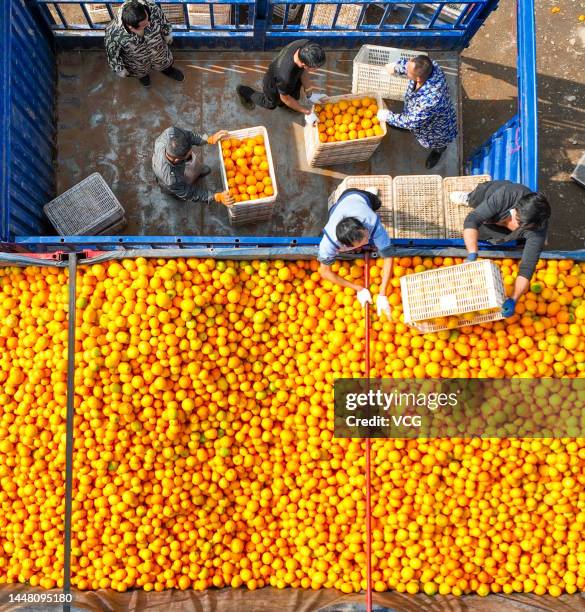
x=471 y=257
x=311 y=119
x=315 y=98
x=213 y=139
x=169 y=39
x=383 y=115
x=123 y=73
x=508 y=307
x=224 y=197
x=390 y=68
x=382 y=306
x=364 y=297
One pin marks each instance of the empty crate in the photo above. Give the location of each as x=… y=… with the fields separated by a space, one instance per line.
x=87 y=209
x=324 y=15
x=384 y=185
x=418 y=206
x=451 y=297
x=455 y=213
x=369 y=73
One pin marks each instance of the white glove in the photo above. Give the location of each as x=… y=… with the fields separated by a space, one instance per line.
x=311 y=119
x=382 y=306
x=390 y=68
x=315 y=98
x=169 y=39
x=364 y=297
x=123 y=73
x=383 y=115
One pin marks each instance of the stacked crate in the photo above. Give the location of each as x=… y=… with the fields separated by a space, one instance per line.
x=324 y=15
x=455 y=213
x=452 y=297
x=418 y=206
x=383 y=183
x=87 y=209
x=261 y=209
x=343 y=152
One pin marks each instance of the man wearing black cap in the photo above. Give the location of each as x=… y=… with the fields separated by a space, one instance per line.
x=177 y=170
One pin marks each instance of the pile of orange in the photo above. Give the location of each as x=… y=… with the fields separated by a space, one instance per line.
x=204 y=449
x=247 y=168
x=349 y=119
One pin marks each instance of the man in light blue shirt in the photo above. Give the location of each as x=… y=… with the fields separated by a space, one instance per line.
x=353 y=224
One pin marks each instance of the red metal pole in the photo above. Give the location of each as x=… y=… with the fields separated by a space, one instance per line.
x=368 y=453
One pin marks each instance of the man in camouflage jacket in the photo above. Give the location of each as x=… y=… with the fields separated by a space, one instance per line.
x=137 y=42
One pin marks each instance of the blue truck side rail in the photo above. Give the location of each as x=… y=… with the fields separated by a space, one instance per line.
x=266 y=24
x=28 y=67
x=512 y=151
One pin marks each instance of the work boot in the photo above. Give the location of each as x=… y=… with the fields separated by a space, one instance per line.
x=459 y=197
x=173 y=73
x=433 y=158
x=244 y=92
x=145 y=81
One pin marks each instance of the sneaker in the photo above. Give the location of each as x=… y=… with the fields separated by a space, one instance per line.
x=373 y=190
x=243 y=93
x=173 y=73
x=145 y=81
x=459 y=197
x=433 y=159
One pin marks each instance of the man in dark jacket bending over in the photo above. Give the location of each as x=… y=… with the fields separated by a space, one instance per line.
x=506 y=211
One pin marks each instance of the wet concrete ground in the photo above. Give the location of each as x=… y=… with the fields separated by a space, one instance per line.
x=488 y=78
x=109 y=125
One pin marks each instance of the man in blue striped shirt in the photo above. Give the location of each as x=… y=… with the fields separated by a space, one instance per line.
x=428 y=110
x=353 y=224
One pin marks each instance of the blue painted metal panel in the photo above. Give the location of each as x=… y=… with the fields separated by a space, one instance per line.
x=28 y=123
x=512 y=151
x=266 y=24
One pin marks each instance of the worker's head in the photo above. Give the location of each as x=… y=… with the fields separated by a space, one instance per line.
x=352 y=233
x=532 y=211
x=179 y=146
x=419 y=68
x=135 y=16
x=311 y=56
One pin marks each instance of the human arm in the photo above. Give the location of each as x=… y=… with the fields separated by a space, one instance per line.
x=158 y=15
x=530 y=255
x=114 y=42
x=400 y=66
x=294 y=104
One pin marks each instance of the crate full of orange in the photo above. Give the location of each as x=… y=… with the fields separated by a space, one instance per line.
x=347 y=130
x=248 y=172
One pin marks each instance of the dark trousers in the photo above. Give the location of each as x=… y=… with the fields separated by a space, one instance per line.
x=269 y=97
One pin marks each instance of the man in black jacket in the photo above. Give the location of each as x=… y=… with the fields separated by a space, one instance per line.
x=505 y=211
x=287 y=73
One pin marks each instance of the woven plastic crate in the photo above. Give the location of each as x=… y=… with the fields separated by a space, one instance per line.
x=384 y=185
x=260 y=209
x=455 y=213
x=86 y=209
x=199 y=14
x=418 y=206
x=112 y=230
x=579 y=172
x=293 y=11
x=99 y=12
x=449 y=13
x=347 y=151
x=324 y=15
x=451 y=297
x=369 y=73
